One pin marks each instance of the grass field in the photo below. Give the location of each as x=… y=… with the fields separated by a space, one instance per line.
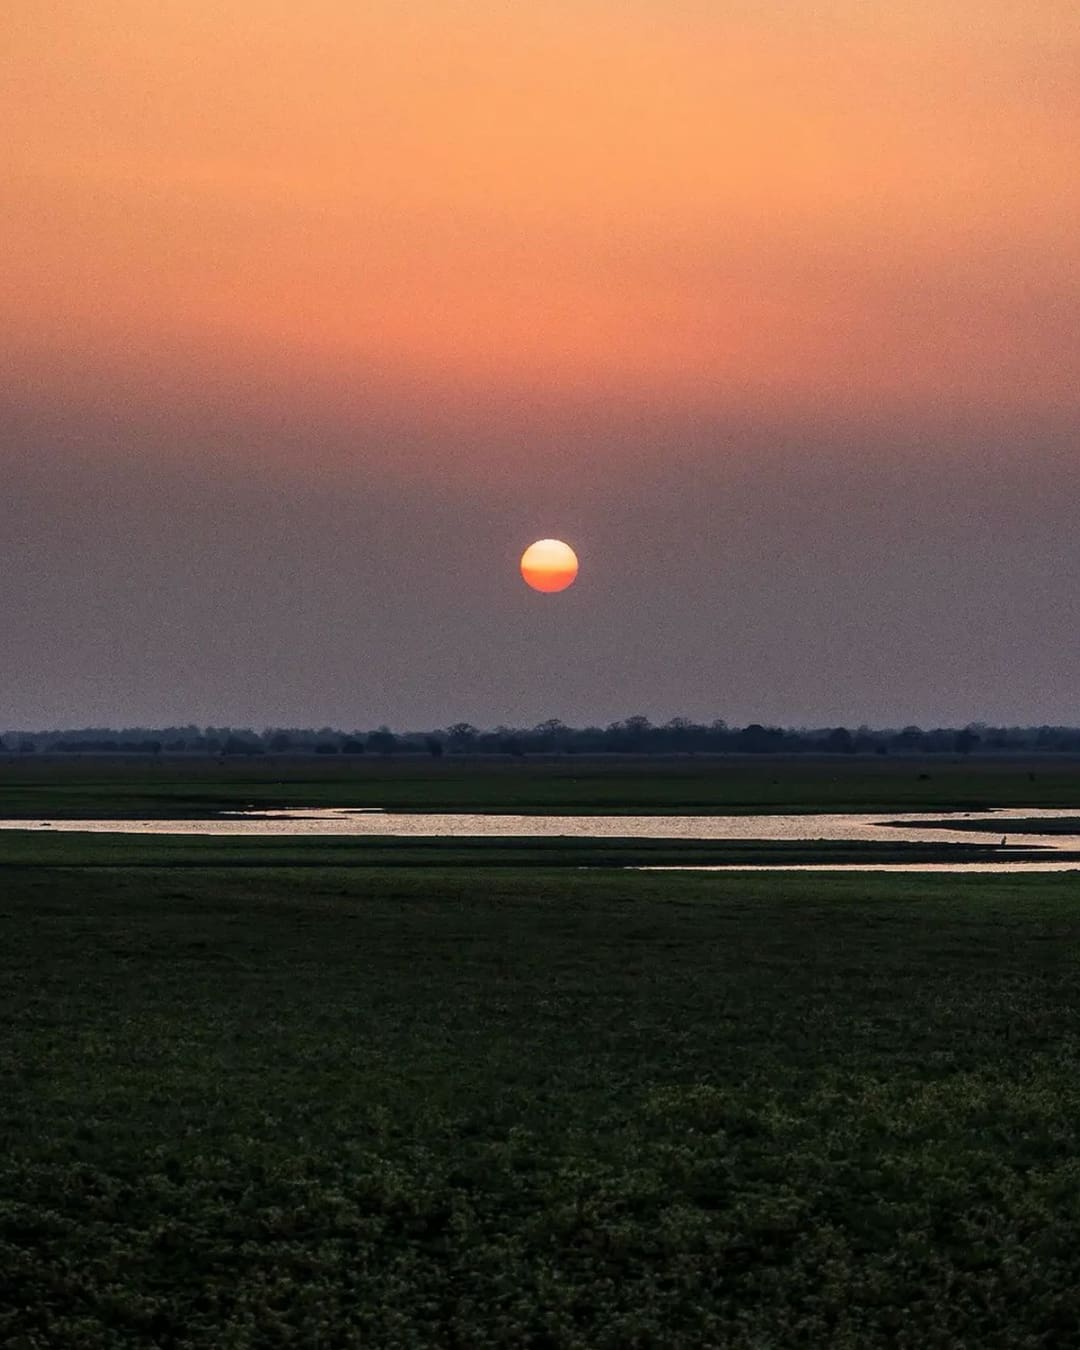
x=323 y=1106
x=49 y=786
x=26 y=848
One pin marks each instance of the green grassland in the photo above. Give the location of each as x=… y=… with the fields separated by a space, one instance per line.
x=25 y=848
x=140 y=786
x=333 y=1106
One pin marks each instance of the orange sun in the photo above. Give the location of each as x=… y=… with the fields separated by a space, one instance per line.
x=549 y=565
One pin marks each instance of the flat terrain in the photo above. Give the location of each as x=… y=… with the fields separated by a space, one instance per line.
x=41 y=786
x=322 y=1106
x=54 y=848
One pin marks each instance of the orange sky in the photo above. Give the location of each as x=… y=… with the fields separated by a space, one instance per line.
x=313 y=315
x=740 y=205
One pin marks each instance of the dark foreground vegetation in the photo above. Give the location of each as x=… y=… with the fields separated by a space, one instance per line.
x=43 y=787
x=28 y=849
x=439 y=1107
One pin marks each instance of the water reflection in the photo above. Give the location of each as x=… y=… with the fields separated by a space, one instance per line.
x=1049 y=865
x=837 y=828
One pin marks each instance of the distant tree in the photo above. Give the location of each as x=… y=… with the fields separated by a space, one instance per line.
x=635 y=735
x=462 y=736
x=682 y=735
x=629 y=736
x=241 y=745
x=869 y=742
x=551 y=734
x=911 y=738
x=383 y=741
x=840 y=742
x=758 y=740
x=637 y=729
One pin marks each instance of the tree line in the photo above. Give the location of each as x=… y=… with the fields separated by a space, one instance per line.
x=632 y=736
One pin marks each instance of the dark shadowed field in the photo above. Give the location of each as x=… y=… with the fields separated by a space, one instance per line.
x=437 y=1106
x=147 y=786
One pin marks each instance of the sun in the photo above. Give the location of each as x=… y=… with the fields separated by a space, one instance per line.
x=549 y=565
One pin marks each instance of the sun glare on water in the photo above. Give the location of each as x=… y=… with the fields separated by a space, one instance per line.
x=549 y=565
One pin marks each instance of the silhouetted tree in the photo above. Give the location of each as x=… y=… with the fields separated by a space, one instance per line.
x=840 y=742
x=241 y=745
x=679 y=733
x=462 y=736
x=758 y=740
x=635 y=735
x=551 y=734
x=383 y=741
x=630 y=735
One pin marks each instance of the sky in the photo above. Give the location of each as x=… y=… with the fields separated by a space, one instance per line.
x=312 y=317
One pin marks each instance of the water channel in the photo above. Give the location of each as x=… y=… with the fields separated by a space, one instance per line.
x=984 y=828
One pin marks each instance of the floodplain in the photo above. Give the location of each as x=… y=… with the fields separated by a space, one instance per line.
x=365 y=1093
x=180 y=785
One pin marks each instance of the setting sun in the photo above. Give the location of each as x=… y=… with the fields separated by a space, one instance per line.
x=549 y=565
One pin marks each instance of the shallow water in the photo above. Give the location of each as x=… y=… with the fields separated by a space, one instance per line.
x=836 y=828
x=1031 y=866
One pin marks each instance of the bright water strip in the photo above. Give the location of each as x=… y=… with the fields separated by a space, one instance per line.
x=836 y=828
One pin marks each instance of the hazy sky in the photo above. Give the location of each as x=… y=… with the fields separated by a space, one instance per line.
x=313 y=316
